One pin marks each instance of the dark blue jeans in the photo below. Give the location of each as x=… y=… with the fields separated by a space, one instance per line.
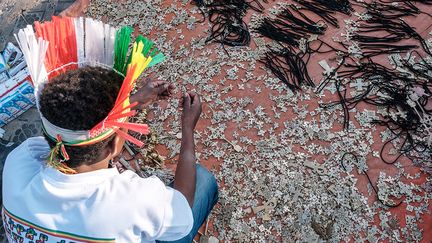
x=206 y=196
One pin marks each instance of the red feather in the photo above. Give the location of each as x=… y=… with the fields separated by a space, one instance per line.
x=130 y=138
x=140 y=128
x=62 y=47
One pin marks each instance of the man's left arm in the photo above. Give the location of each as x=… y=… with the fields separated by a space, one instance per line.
x=150 y=92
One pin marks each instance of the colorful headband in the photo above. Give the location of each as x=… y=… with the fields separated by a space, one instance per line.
x=70 y=43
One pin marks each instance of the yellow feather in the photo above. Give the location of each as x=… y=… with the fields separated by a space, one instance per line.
x=139 y=60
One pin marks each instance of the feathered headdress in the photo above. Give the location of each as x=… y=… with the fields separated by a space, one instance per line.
x=53 y=47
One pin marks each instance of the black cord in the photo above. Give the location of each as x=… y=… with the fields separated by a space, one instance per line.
x=369 y=180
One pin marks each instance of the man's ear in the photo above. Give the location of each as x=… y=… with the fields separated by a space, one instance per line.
x=116 y=146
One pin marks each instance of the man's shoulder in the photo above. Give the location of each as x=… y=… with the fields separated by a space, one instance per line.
x=27 y=158
x=35 y=147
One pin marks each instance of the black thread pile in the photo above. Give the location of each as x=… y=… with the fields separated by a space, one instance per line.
x=228 y=27
x=392 y=8
x=326 y=9
x=390 y=88
x=381 y=33
x=226 y=18
x=291 y=27
x=288 y=67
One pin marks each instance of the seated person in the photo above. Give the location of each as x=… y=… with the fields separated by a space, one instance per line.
x=96 y=203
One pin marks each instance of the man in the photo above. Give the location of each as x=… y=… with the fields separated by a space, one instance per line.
x=97 y=204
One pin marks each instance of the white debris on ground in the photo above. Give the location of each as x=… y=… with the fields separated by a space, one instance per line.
x=281 y=171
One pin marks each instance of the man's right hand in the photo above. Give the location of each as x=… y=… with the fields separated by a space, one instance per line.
x=184 y=180
x=191 y=111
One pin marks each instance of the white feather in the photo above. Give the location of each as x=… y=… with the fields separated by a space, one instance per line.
x=94 y=41
x=79 y=32
x=34 y=54
x=110 y=33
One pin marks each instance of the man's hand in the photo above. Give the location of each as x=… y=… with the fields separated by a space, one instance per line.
x=191 y=111
x=150 y=92
x=184 y=180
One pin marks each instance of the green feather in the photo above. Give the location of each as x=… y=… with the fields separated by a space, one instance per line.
x=157 y=59
x=148 y=44
x=121 y=48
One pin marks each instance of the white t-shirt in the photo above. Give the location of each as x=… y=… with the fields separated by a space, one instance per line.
x=41 y=204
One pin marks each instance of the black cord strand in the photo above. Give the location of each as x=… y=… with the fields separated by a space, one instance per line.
x=369 y=180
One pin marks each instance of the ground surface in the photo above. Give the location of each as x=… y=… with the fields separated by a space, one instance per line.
x=277 y=155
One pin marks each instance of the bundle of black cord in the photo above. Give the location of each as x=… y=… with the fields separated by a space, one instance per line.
x=288 y=28
x=379 y=78
x=396 y=30
x=405 y=128
x=407 y=5
x=226 y=17
x=393 y=11
x=342 y=6
x=270 y=29
x=421 y=70
x=289 y=67
x=374 y=42
x=199 y=3
x=228 y=27
x=325 y=13
x=326 y=9
x=390 y=89
x=256 y=5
